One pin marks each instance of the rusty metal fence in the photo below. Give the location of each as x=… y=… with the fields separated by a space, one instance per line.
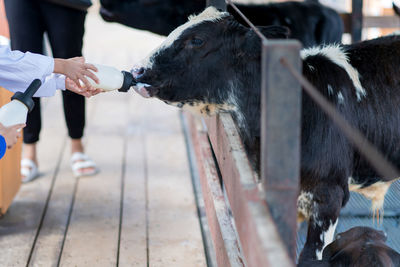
x=282 y=84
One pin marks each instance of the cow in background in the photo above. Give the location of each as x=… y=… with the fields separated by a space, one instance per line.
x=212 y=64
x=157 y=16
x=309 y=21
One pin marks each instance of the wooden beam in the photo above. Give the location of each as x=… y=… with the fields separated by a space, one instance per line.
x=258 y=235
x=381 y=22
x=23 y=221
x=174 y=229
x=226 y=245
x=92 y=235
x=372 y=22
x=133 y=244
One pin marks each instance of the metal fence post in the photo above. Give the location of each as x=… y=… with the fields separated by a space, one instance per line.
x=356 y=20
x=217 y=3
x=280 y=136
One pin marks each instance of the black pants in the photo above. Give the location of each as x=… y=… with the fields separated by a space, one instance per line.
x=29 y=20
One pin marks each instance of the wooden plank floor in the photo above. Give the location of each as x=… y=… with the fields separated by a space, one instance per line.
x=139 y=210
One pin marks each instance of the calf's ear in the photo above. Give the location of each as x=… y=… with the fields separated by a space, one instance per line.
x=252 y=45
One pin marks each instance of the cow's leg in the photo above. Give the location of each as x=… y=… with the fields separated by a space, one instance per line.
x=324 y=204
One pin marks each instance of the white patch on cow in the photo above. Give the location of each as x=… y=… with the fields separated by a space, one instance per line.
x=330 y=89
x=351 y=180
x=319 y=254
x=233 y=101
x=209 y=14
x=336 y=54
x=327 y=238
x=305 y=206
x=340 y=98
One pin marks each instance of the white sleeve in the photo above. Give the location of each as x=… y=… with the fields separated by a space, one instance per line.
x=18 y=70
x=50 y=85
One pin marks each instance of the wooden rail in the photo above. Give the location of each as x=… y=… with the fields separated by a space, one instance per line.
x=226 y=245
x=372 y=22
x=258 y=242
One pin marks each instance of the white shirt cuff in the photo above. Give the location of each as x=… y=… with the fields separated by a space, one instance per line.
x=60 y=82
x=50 y=85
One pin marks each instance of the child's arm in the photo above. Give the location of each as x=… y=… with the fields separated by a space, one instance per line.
x=18 y=70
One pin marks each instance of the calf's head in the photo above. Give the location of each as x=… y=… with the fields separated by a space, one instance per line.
x=209 y=64
x=361 y=246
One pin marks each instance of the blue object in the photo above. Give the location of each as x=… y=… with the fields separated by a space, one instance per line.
x=3 y=146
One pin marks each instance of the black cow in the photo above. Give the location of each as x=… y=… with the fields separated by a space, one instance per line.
x=157 y=16
x=357 y=247
x=212 y=64
x=309 y=21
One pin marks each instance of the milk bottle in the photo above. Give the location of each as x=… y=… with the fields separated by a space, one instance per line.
x=17 y=110
x=111 y=79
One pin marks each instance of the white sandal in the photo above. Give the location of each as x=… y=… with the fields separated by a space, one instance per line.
x=29 y=169
x=80 y=161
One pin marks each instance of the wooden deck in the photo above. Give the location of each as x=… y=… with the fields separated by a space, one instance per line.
x=139 y=210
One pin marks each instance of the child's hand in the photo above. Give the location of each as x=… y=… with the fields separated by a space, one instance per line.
x=76 y=69
x=11 y=134
x=85 y=91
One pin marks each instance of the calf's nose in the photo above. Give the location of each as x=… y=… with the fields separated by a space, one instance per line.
x=138 y=72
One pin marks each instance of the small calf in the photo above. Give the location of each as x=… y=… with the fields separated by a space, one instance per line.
x=357 y=247
x=212 y=64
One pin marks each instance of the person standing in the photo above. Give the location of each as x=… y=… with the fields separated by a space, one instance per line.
x=28 y=21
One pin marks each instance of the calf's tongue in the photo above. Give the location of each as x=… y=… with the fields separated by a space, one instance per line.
x=140 y=88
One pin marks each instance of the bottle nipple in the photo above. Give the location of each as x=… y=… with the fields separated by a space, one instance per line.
x=129 y=81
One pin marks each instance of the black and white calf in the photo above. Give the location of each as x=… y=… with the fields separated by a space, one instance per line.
x=357 y=247
x=308 y=21
x=212 y=64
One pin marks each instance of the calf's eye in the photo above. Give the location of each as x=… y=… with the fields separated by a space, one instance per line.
x=196 y=42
